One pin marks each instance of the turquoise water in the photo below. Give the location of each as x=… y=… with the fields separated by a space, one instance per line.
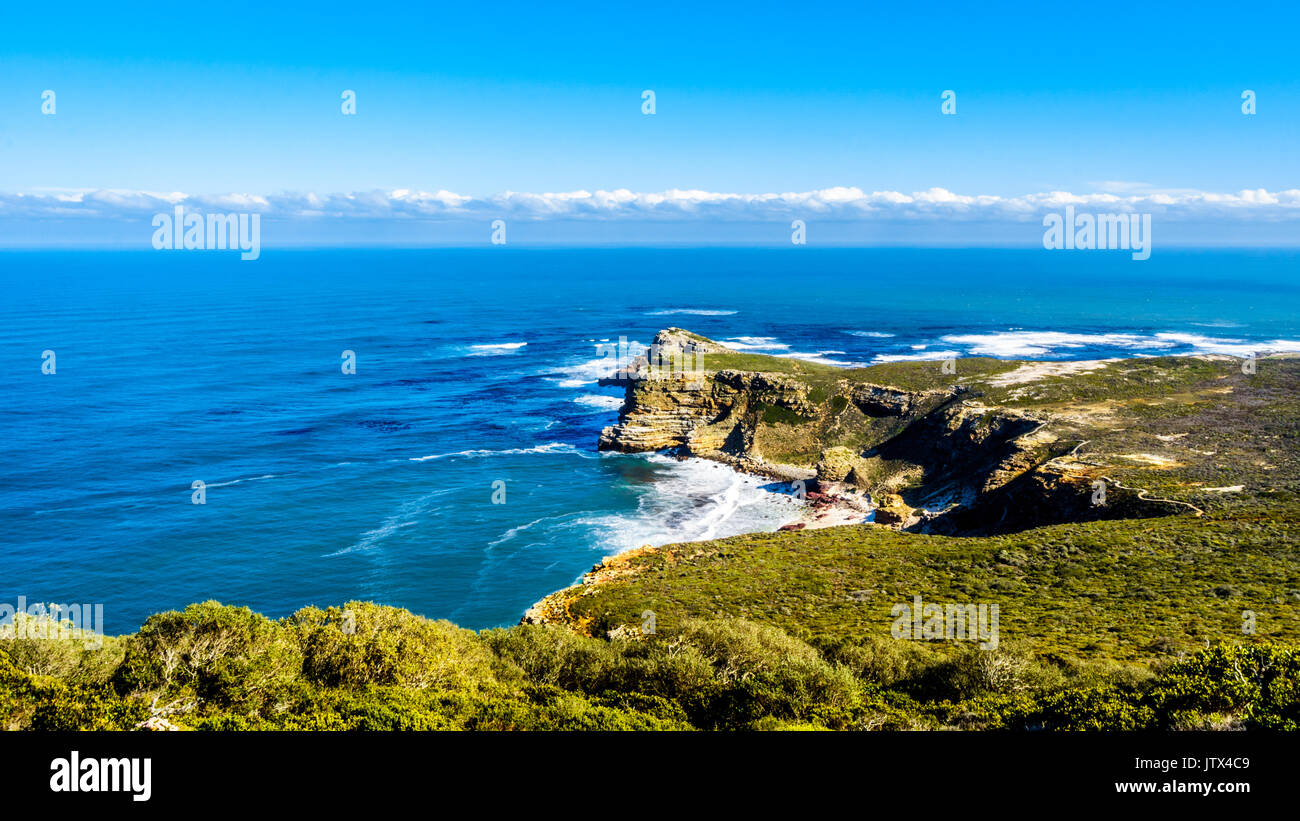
x=475 y=367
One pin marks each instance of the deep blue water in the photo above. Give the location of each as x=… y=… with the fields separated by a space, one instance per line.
x=473 y=366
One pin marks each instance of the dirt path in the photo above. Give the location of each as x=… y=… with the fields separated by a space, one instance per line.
x=1142 y=494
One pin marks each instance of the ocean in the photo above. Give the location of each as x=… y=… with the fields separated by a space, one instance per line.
x=455 y=472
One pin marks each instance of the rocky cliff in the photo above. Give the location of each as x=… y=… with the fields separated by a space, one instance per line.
x=990 y=447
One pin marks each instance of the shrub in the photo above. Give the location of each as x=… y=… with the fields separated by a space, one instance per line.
x=1255 y=684
x=883 y=661
x=758 y=671
x=363 y=644
x=1096 y=708
x=84 y=707
x=229 y=657
x=67 y=658
x=557 y=656
x=971 y=672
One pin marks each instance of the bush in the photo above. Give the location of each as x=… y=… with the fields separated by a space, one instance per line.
x=67 y=658
x=972 y=673
x=229 y=657
x=1096 y=708
x=757 y=672
x=883 y=661
x=84 y=707
x=47 y=703
x=1254 y=685
x=367 y=644
x=556 y=656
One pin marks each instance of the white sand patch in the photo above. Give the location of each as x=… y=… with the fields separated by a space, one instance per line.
x=1153 y=459
x=1041 y=370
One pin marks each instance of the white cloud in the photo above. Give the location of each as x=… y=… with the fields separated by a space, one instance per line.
x=838 y=203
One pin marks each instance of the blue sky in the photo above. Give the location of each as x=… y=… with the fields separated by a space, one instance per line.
x=751 y=98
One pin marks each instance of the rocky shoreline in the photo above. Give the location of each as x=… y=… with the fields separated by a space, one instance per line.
x=825 y=504
x=820 y=510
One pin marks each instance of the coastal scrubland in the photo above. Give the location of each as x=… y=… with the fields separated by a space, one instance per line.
x=369 y=667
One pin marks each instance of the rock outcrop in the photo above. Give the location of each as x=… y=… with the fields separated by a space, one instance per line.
x=699 y=412
x=934 y=459
x=882 y=400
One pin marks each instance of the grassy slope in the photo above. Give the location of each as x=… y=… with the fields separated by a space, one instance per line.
x=1135 y=589
x=1125 y=590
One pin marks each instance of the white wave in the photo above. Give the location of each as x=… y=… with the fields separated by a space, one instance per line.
x=755 y=343
x=48 y=511
x=515 y=531
x=1031 y=344
x=406 y=515
x=770 y=345
x=871 y=334
x=371 y=538
x=600 y=402
x=692 y=311
x=691 y=500
x=1231 y=347
x=818 y=358
x=924 y=356
x=609 y=359
x=1023 y=344
x=245 y=479
x=495 y=348
x=550 y=447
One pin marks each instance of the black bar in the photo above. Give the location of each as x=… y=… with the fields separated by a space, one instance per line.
x=615 y=772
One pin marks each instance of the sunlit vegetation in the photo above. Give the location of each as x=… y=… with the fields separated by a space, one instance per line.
x=368 y=667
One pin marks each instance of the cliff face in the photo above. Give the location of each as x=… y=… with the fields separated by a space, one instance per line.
x=673 y=402
x=932 y=457
x=700 y=415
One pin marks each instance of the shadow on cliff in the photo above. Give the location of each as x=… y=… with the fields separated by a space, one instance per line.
x=984 y=473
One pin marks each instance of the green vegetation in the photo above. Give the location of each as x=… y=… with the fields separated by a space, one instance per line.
x=1125 y=590
x=763 y=363
x=368 y=667
x=929 y=376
